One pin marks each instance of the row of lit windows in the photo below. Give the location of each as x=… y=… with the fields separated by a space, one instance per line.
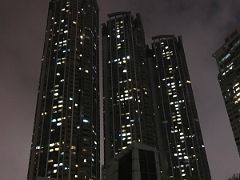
x=236 y=92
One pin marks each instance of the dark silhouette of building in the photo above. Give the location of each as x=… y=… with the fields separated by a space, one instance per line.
x=137 y=162
x=227 y=58
x=181 y=143
x=235 y=177
x=128 y=110
x=65 y=142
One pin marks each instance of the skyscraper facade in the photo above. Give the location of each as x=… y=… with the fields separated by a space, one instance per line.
x=65 y=142
x=175 y=110
x=128 y=112
x=227 y=58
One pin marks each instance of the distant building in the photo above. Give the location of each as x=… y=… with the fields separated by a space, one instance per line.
x=235 y=177
x=181 y=143
x=65 y=141
x=228 y=60
x=128 y=109
x=137 y=162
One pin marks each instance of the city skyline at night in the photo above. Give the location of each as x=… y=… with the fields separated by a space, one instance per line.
x=136 y=80
x=203 y=26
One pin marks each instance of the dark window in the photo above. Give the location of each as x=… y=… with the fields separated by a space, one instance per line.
x=147 y=165
x=125 y=167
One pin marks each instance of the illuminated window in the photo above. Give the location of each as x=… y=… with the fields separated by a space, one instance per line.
x=85 y=121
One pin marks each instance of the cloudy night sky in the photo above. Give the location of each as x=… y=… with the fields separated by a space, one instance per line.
x=204 y=24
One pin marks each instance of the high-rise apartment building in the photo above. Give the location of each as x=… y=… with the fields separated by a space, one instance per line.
x=128 y=110
x=65 y=142
x=180 y=134
x=227 y=58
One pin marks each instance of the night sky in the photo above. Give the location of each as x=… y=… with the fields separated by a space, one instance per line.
x=204 y=24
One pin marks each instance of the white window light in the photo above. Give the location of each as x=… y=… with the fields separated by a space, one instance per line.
x=185 y=157
x=85 y=121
